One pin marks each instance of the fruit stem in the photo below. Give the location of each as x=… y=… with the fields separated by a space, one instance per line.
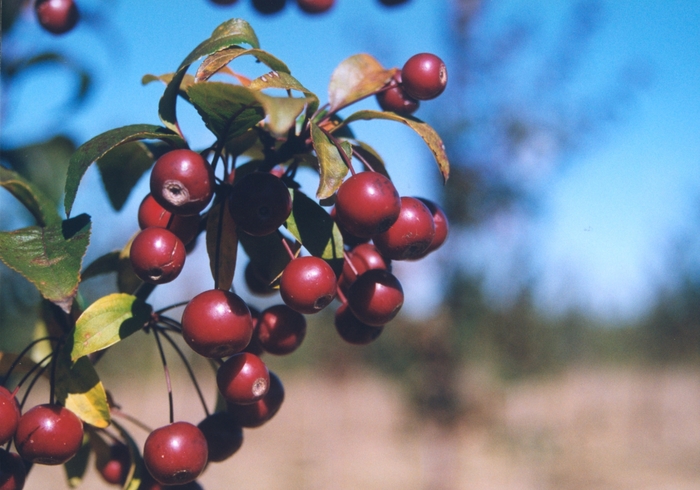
x=364 y=161
x=171 y=307
x=54 y=363
x=22 y=354
x=38 y=375
x=349 y=262
x=287 y=247
x=189 y=370
x=166 y=371
x=133 y=420
x=341 y=296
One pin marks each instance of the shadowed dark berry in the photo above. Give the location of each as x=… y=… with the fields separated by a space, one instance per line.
x=9 y=415
x=375 y=297
x=411 y=235
x=157 y=255
x=182 y=181
x=315 y=6
x=57 y=16
x=348 y=238
x=395 y=99
x=424 y=76
x=280 y=330
x=153 y=214
x=243 y=378
x=353 y=330
x=48 y=434
x=308 y=284
x=260 y=203
x=256 y=414
x=268 y=6
x=442 y=225
x=176 y=453
x=367 y=204
x=115 y=467
x=217 y=323
x=12 y=471
x=223 y=434
x=256 y=282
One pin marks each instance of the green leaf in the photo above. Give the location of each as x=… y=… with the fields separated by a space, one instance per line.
x=43 y=164
x=49 y=257
x=281 y=112
x=121 y=168
x=284 y=81
x=215 y=62
x=41 y=207
x=79 y=389
x=227 y=110
x=332 y=166
x=102 y=265
x=166 y=78
x=133 y=479
x=98 y=147
x=314 y=228
x=107 y=321
x=77 y=466
x=222 y=244
x=355 y=78
x=428 y=134
x=267 y=254
x=230 y=33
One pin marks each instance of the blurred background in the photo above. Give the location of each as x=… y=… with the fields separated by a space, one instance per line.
x=552 y=342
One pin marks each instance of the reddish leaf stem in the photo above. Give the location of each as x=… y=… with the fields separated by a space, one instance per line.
x=287 y=247
x=166 y=371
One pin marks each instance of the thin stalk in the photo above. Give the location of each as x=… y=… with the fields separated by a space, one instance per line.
x=349 y=262
x=339 y=147
x=54 y=363
x=36 y=377
x=363 y=160
x=133 y=420
x=166 y=371
x=287 y=247
x=171 y=307
x=23 y=353
x=172 y=323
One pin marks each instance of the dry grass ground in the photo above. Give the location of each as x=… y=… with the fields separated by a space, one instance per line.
x=584 y=429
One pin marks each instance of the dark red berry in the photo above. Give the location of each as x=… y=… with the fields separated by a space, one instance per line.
x=153 y=214
x=256 y=281
x=280 y=330
x=268 y=6
x=48 y=434
x=223 y=434
x=182 y=181
x=176 y=453
x=12 y=471
x=348 y=238
x=375 y=297
x=217 y=323
x=360 y=259
x=57 y=16
x=9 y=415
x=442 y=225
x=424 y=76
x=115 y=467
x=315 y=6
x=411 y=235
x=243 y=378
x=353 y=330
x=260 y=203
x=157 y=255
x=395 y=99
x=256 y=414
x=254 y=347
x=367 y=204
x=308 y=284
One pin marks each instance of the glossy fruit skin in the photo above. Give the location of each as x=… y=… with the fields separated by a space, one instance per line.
x=411 y=235
x=367 y=204
x=360 y=259
x=12 y=471
x=243 y=378
x=260 y=203
x=424 y=76
x=348 y=238
x=157 y=255
x=115 y=468
x=176 y=453
x=280 y=330
x=308 y=284
x=217 y=323
x=268 y=6
x=376 y=297
x=57 y=16
x=9 y=415
x=395 y=99
x=315 y=6
x=182 y=181
x=48 y=434
x=256 y=414
x=442 y=225
x=153 y=214
x=223 y=434
x=353 y=330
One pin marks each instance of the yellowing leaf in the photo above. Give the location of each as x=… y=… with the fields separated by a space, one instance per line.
x=79 y=389
x=355 y=78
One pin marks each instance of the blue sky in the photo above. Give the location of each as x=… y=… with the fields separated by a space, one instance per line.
x=601 y=237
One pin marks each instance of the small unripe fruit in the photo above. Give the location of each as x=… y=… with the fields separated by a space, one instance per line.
x=256 y=414
x=243 y=378
x=9 y=415
x=182 y=181
x=157 y=255
x=57 y=16
x=217 y=323
x=223 y=434
x=424 y=76
x=260 y=203
x=411 y=235
x=12 y=471
x=375 y=297
x=367 y=204
x=176 y=453
x=353 y=330
x=48 y=434
x=280 y=330
x=308 y=284
x=315 y=6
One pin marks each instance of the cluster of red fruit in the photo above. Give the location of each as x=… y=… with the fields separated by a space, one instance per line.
x=308 y=6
